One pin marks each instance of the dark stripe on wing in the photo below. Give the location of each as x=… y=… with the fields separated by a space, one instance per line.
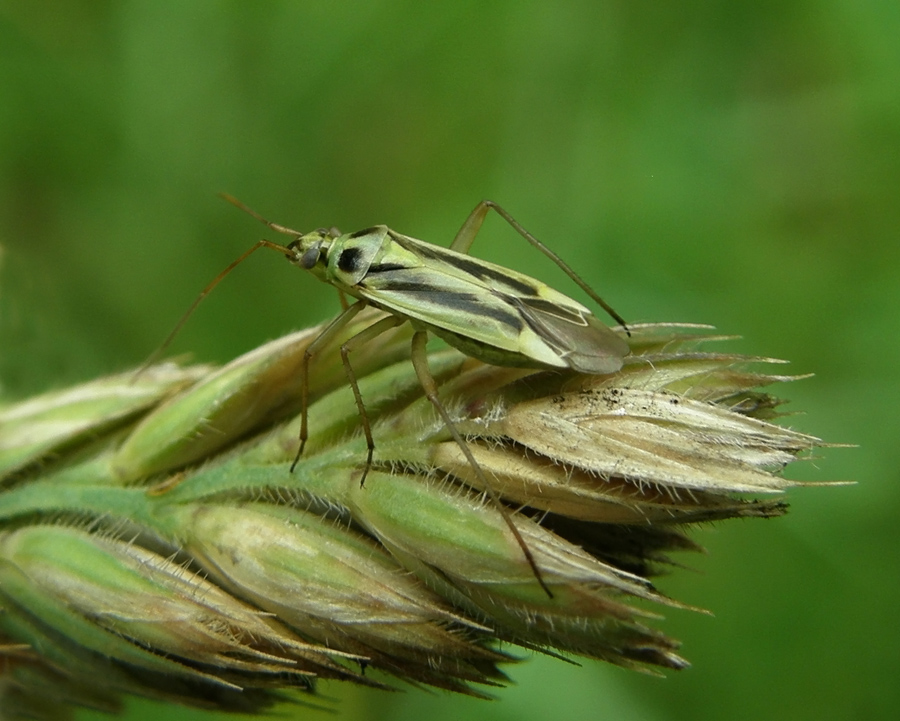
x=467 y=265
x=386 y=267
x=466 y=304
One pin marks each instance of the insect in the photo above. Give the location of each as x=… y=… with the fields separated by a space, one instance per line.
x=489 y=312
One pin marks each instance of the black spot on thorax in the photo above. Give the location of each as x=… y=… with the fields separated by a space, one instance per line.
x=348 y=260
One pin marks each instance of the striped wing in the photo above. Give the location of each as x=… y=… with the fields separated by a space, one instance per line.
x=518 y=320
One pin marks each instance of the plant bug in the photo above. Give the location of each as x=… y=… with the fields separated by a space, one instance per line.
x=494 y=314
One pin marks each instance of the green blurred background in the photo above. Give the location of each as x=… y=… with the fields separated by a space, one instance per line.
x=733 y=163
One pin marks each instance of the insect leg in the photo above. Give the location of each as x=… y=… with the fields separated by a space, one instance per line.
x=466 y=235
x=359 y=339
x=320 y=340
x=420 y=363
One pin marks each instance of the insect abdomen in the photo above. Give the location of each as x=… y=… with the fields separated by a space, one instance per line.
x=487 y=353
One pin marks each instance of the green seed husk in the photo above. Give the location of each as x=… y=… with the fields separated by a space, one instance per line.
x=153 y=542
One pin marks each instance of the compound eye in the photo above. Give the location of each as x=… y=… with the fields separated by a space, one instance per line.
x=310 y=257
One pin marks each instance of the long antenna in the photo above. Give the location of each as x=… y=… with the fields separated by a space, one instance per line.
x=208 y=289
x=247 y=209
